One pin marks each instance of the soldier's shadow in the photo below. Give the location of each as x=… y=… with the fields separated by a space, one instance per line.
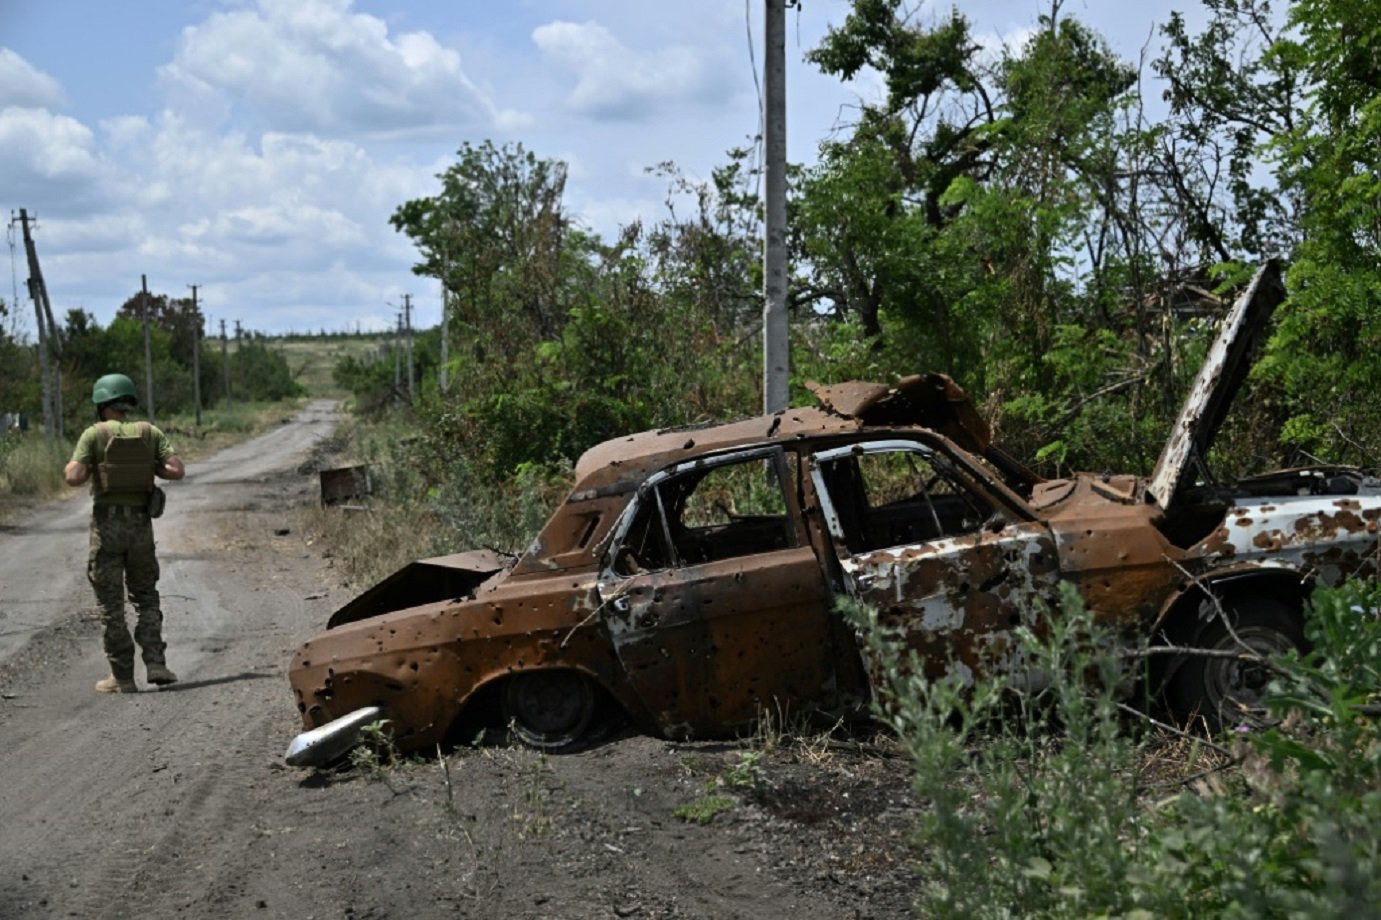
x=210 y=682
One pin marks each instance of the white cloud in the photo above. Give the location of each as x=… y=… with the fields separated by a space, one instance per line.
x=50 y=159
x=614 y=81
x=23 y=85
x=316 y=66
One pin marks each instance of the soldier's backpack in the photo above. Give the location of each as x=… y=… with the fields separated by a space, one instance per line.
x=128 y=462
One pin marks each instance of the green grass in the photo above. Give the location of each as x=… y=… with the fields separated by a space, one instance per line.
x=703 y=810
x=312 y=360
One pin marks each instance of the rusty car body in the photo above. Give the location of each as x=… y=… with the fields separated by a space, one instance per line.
x=692 y=576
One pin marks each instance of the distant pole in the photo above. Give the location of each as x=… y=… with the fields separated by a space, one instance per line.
x=443 y=383
x=239 y=359
x=397 y=357
x=148 y=348
x=407 y=327
x=225 y=364
x=196 y=354
x=776 y=357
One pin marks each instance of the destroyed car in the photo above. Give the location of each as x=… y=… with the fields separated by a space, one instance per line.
x=691 y=578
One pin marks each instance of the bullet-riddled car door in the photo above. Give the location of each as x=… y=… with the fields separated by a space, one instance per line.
x=936 y=556
x=714 y=599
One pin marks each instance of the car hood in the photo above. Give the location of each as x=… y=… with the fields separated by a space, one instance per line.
x=425 y=581
x=1217 y=384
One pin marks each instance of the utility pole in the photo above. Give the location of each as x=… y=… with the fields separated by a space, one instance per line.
x=397 y=357
x=239 y=359
x=407 y=326
x=225 y=364
x=441 y=379
x=148 y=348
x=196 y=354
x=49 y=339
x=776 y=356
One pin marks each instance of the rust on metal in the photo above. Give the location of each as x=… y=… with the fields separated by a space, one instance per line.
x=692 y=577
x=345 y=483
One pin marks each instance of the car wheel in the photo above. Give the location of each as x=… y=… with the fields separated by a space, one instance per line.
x=549 y=710
x=1223 y=692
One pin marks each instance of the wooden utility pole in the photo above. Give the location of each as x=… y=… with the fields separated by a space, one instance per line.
x=407 y=327
x=397 y=357
x=239 y=358
x=49 y=339
x=196 y=354
x=148 y=347
x=776 y=357
x=225 y=364
x=443 y=383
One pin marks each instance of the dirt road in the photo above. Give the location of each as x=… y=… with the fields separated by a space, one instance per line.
x=175 y=803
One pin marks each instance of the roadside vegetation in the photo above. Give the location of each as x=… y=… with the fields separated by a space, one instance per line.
x=1060 y=801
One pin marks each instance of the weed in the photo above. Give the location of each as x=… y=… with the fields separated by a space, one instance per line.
x=532 y=811
x=376 y=755
x=704 y=809
x=748 y=774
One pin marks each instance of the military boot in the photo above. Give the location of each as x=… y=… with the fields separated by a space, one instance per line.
x=159 y=674
x=113 y=684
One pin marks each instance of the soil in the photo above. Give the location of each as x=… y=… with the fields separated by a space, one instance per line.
x=176 y=802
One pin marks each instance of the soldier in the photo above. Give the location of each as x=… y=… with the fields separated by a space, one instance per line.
x=124 y=457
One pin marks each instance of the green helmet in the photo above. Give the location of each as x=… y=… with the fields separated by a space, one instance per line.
x=112 y=387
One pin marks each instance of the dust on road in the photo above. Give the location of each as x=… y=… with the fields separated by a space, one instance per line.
x=176 y=803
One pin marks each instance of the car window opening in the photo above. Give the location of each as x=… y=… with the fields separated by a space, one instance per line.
x=896 y=498
x=708 y=514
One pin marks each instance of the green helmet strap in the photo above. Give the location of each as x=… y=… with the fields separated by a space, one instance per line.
x=112 y=387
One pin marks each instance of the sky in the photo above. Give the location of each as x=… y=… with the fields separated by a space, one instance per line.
x=256 y=148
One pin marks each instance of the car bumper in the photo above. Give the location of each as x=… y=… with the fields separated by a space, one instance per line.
x=323 y=744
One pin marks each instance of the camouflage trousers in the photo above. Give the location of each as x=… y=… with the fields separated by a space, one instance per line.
x=122 y=554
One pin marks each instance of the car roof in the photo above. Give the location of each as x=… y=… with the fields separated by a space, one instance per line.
x=930 y=402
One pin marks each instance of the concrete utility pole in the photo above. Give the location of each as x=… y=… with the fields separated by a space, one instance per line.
x=49 y=340
x=407 y=326
x=148 y=348
x=196 y=354
x=776 y=357
x=225 y=363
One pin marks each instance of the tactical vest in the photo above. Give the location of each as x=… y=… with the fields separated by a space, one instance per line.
x=128 y=462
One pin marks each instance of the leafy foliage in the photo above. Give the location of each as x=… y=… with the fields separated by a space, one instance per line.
x=1054 y=785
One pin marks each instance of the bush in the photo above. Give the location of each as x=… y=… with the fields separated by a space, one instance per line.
x=1045 y=804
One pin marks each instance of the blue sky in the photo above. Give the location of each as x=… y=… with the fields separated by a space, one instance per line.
x=257 y=147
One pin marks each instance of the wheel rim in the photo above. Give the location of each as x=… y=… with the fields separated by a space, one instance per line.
x=549 y=708
x=1236 y=689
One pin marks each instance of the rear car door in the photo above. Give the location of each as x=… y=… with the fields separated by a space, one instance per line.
x=940 y=559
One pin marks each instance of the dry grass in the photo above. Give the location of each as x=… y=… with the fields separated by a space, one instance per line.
x=369 y=542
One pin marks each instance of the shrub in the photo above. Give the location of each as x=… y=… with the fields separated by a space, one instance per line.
x=1045 y=804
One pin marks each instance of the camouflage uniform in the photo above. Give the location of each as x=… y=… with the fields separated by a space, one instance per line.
x=122 y=555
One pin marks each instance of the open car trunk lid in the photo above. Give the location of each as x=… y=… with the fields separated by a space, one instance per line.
x=1216 y=386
